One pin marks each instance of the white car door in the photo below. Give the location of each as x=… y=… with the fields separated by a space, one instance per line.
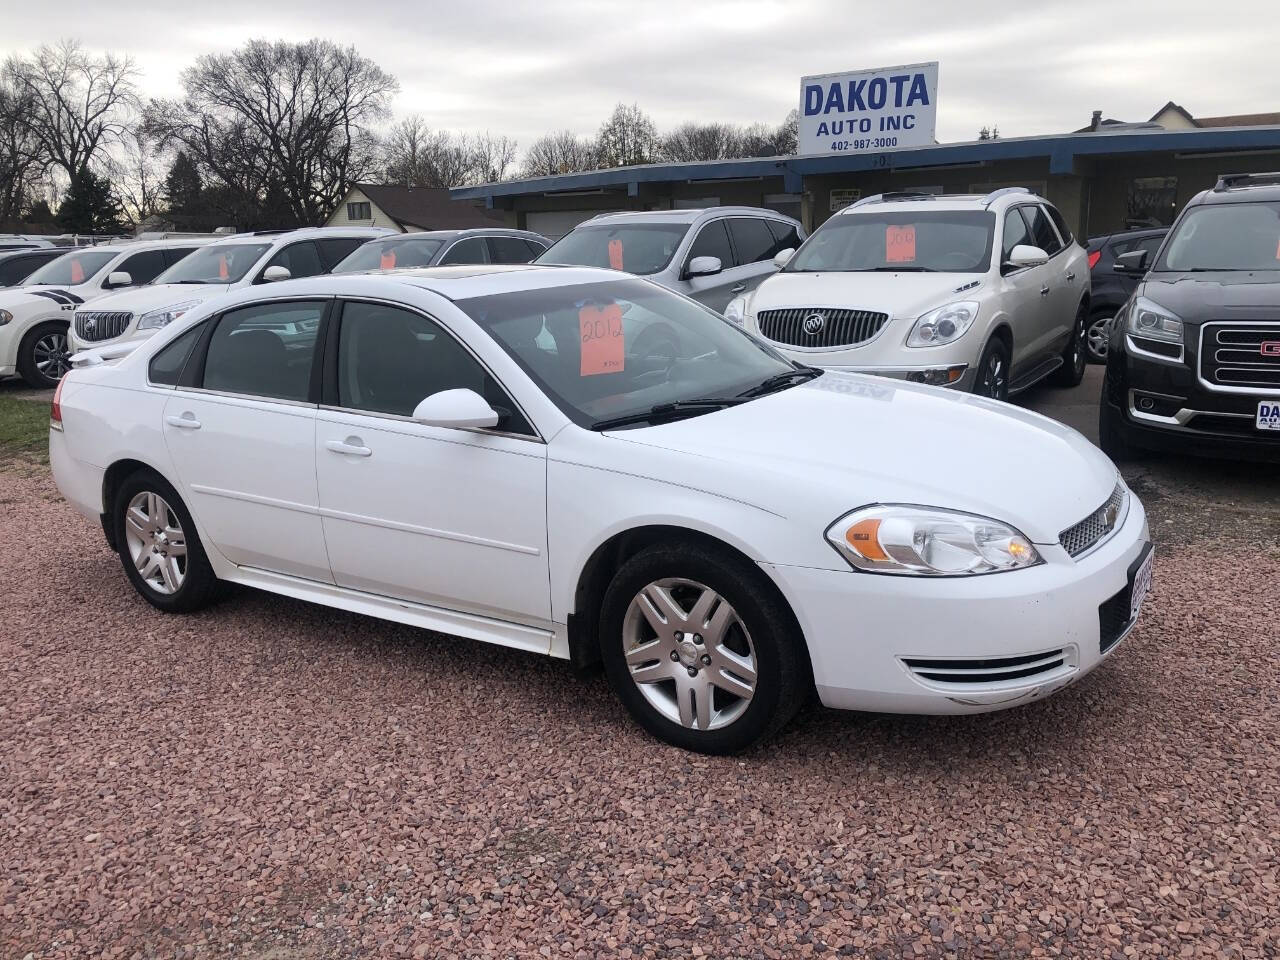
x=243 y=439
x=1025 y=297
x=452 y=518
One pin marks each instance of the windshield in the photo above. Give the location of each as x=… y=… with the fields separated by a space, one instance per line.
x=1225 y=236
x=617 y=348
x=946 y=241
x=216 y=263
x=390 y=254
x=634 y=247
x=73 y=268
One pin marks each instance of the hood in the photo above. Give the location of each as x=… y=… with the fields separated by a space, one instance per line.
x=1226 y=295
x=814 y=452
x=156 y=297
x=40 y=297
x=897 y=294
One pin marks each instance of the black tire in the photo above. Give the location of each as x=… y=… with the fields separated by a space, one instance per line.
x=992 y=380
x=1098 y=333
x=43 y=353
x=1110 y=439
x=783 y=675
x=1075 y=355
x=199 y=586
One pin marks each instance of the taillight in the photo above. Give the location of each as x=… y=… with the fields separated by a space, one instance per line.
x=1094 y=258
x=55 y=408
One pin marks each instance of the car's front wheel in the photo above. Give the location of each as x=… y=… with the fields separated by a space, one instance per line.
x=44 y=356
x=159 y=547
x=1099 y=333
x=700 y=650
x=993 y=371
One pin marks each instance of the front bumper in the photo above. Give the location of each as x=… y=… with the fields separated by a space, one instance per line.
x=957 y=376
x=875 y=640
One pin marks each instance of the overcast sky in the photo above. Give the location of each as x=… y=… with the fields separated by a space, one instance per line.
x=521 y=68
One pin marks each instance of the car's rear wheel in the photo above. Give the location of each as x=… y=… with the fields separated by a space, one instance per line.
x=1099 y=333
x=1075 y=356
x=159 y=547
x=993 y=371
x=702 y=653
x=44 y=356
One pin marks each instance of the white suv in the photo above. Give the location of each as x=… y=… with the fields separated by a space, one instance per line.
x=34 y=317
x=239 y=261
x=981 y=293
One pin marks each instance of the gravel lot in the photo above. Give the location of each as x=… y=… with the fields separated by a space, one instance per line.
x=270 y=779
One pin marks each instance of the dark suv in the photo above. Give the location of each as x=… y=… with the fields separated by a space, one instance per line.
x=1110 y=286
x=1193 y=364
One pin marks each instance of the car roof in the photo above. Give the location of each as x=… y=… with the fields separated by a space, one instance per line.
x=469 y=232
x=936 y=202
x=461 y=282
x=1241 y=188
x=681 y=216
x=51 y=253
x=306 y=233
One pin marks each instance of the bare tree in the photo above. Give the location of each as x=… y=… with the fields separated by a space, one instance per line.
x=627 y=138
x=414 y=155
x=762 y=140
x=702 y=141
x=493 y=156
x=22 y=155
x=292 y=121
x=77 y=105
x=560 y=152
x=137 y=178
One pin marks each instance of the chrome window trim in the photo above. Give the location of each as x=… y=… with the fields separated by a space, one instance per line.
x=398 y=418
x=1218 y=388
x=1178 y=361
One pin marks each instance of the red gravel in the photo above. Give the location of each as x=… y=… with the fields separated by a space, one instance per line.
x=276 y=780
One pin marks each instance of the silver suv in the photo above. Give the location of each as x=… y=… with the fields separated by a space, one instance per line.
x=443 y=247
x=711 y=255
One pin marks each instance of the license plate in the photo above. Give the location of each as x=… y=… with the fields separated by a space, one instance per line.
x=1141 y=586
x=1268 y=415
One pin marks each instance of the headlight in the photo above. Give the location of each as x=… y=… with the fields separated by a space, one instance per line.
x=943 y=325
x=1150 y=321
x=5 y=317
x=737 y=311
x=927 y=541
x=166 y=315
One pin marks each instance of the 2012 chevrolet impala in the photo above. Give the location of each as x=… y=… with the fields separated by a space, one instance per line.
x=584 y=464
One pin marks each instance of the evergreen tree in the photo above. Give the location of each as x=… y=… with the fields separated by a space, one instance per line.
x=183 y=191
x=90 y=206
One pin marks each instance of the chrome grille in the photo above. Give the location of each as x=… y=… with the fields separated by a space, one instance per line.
x=794 y=326
x=1096 y=527
x=93 y=325
x=1241 y=356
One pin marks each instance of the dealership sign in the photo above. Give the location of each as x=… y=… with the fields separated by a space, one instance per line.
x=869 y=111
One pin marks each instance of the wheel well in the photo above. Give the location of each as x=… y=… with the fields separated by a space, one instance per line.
x=608 y=558
x=115 y=475
x=1005 y=333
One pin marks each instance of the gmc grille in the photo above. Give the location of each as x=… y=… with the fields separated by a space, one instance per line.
x=1241 y=356
x=92 y=325
x=799 y=326
x=1096 y=527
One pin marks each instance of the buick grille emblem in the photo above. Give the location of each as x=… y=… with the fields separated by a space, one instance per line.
x=814 y=324
x=1270 y=348
x=90 y=324
x=1109 y=517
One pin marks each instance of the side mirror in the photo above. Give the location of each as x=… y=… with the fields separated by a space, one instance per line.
x=1132 y=264
x=783 y=257
x=704 y=266
x=275 y=274
x=461 y=409
x=118 y=278
x=1025 y=255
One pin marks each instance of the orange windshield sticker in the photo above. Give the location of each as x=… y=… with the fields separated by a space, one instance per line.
x=899 y=244
x=388 y=260
x=77 y=272
x=603 y=348
x=615 y=253
x=223 y=272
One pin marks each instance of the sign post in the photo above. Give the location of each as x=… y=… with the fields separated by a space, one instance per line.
x=869 y=111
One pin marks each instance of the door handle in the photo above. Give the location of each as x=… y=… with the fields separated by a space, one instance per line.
x=351 y=447
x=1044 y=291
x=738 y=289
x=187 y=421
x=1071 y=278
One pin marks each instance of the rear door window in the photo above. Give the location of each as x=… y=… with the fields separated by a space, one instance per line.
x=173 y=254
x=1042 y=233
x=508 y=250
x=786 y=236
x=752 y=239
x=1056 y=216
x=470 y=250
x=144 y=267
x=16 y=269
x=166 y=366
x=300 y=259
x=333 y=250
x=536 y=249
x=713 y=241
x=265 y=350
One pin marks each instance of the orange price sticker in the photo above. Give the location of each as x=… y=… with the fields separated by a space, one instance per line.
x=603 y=346
x=388 y=260
x=223 y=272
x=615 y=253
x=900 y=244
x=77 y=271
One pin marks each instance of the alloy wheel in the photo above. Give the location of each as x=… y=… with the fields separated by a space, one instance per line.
x=156 y=541
x=994 y=380
x=51 y=356
x=1099 y=333
x=689 y=654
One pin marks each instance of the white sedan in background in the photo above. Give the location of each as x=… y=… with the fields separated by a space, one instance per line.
x=479 y=451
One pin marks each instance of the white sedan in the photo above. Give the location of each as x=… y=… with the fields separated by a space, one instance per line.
x=494 y=453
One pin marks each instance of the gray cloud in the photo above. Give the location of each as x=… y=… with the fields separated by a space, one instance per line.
x=520 y=68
